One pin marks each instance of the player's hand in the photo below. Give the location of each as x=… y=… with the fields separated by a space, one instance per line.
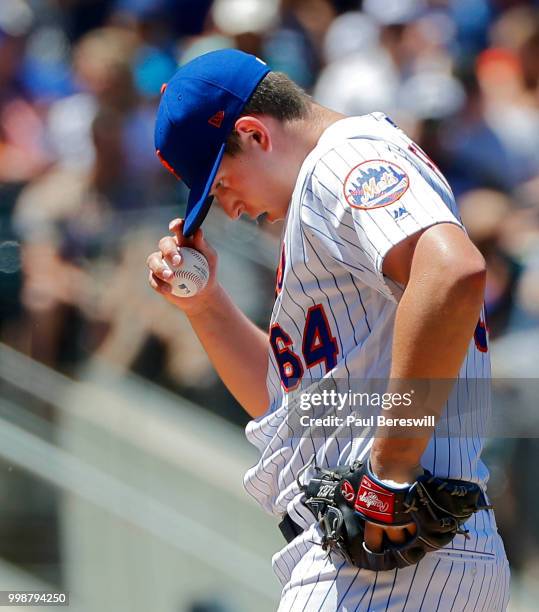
x=169 y=254
x=374 y=534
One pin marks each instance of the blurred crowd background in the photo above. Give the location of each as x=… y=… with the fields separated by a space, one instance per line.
x=84 y=200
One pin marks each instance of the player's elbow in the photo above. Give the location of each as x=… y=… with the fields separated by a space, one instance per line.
x=458 y=269
x=470 y=272
x=466 y=278
x=476 y=275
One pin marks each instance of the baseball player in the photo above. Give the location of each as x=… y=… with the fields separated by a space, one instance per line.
x=376 y=280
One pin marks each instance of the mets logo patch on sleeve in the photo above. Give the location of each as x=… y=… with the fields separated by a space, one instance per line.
x=375 y=183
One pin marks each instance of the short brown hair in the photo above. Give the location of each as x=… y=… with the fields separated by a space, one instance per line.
x=276 y=96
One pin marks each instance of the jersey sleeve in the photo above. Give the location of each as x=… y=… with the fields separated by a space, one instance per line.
x=361 y=200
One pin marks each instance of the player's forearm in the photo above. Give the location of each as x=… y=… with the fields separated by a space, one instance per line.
x=435 y=321
x=237 y=348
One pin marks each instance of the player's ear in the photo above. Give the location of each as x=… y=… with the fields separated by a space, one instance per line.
x=253 y=132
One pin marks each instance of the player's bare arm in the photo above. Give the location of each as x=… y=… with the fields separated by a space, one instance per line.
x=444 y=275
x=242 y=365
x=445 y=281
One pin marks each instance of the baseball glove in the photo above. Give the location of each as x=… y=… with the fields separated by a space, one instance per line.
x=344 y=498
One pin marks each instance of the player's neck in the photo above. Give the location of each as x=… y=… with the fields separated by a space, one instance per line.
x=318 y=121
x=299 y=138
x=294 y=141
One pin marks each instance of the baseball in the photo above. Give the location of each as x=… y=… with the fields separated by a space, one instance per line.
x=192 y=275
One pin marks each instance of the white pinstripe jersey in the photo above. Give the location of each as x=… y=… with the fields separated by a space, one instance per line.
x=363 y=189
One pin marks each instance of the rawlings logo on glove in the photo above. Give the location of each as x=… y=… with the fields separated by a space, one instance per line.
x=374 y=502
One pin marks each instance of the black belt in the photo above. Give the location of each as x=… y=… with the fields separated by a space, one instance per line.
x=289 y=528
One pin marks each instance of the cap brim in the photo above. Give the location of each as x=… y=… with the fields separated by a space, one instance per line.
x=199 y=201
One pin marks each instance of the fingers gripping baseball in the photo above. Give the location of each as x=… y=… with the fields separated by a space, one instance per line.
x=183 y=267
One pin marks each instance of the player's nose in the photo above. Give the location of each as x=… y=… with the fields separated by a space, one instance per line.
x=231 y=207
x=238 y=208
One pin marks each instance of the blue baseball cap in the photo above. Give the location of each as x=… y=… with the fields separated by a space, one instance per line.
x=198 y=110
